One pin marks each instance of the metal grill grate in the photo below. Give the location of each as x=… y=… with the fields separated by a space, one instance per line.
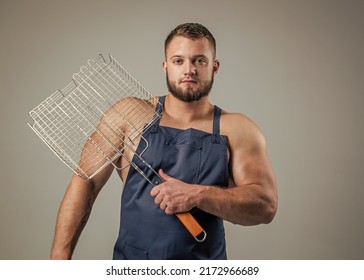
x=97 y=118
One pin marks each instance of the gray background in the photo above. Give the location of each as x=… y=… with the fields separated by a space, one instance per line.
x=295 y=67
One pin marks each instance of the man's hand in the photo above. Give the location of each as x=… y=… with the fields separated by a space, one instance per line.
x=174 y=196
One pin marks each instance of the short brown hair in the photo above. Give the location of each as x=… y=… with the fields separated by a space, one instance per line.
x=191 y=31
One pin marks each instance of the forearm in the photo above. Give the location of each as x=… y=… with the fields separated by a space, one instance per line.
x=72 y=217
x=243 y=205
x=246 y=204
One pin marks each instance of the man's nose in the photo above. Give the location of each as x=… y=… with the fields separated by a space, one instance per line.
x=190 y=69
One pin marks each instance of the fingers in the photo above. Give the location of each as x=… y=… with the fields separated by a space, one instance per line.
x=155 y=191
x=158 y=195
x=163 y=175
x=164 y=193
x=162 y=200
x=166 y=208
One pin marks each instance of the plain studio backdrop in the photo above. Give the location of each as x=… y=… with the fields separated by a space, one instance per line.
x=295 y=67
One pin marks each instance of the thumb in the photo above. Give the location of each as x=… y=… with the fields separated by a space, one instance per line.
x=163 y=175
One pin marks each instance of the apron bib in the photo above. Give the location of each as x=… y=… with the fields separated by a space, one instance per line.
x=191 y=155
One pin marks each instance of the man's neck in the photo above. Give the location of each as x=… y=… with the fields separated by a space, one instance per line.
x=187 y=112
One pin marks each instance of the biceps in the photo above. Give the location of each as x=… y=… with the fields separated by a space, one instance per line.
x=251 y=168
x=97 y=152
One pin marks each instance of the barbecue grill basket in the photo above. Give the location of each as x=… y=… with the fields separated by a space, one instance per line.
x=97 y=118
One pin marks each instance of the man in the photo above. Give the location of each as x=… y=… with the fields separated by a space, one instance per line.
x=213 y=164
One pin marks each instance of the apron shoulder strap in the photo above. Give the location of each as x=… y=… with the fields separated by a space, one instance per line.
x=159 y=110
x=216 y=120
x=160 y=104
x=216 y=125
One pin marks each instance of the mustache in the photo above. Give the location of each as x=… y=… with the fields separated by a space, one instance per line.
x=188 y=80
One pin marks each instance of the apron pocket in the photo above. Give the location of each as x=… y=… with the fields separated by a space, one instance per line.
x=182 y=161
x=133 y=253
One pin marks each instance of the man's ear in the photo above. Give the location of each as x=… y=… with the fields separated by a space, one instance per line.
x=216 y=66
x=164 y=65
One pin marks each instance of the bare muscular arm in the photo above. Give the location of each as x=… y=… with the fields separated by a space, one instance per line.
x=74 y=212
x=251 y=197
x=81 y=194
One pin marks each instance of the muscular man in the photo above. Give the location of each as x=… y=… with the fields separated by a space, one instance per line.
x=213 y=164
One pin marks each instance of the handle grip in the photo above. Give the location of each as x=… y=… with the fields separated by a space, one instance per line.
x=186 y=218
x=192 y=226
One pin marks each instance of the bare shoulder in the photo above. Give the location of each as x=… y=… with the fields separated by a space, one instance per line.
x=132 y=103
x=241 y=131
x=131 y=110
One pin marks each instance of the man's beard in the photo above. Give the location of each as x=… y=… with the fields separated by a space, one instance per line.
x=190 y=94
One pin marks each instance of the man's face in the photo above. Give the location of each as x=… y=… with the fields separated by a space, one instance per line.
x=190 y=68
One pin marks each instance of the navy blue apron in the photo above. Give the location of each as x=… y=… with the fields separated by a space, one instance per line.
x=193 y=156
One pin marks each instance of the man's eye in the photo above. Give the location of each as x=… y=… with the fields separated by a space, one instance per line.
x=201 y=61
x=177 y=61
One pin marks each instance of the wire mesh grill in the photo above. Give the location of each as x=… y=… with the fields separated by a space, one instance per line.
x=97 y=118
x=90 y=122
